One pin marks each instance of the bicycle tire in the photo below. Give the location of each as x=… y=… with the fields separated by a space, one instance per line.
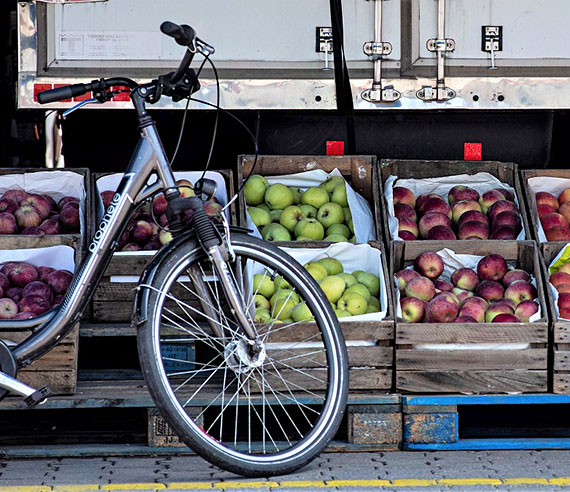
x=320 y=410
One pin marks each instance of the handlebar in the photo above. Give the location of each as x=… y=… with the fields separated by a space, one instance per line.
x=184 y=36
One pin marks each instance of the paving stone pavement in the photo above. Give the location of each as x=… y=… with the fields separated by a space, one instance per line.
x=397 y=470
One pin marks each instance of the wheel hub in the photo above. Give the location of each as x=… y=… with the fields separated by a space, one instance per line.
x=243 y=355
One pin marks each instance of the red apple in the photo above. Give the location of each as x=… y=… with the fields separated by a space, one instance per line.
x=473 y=215
x=406 y=236
x=413 y=309
x=14 y=293
x=544 y=209
x=473 y=308
x=39 y=202
x=429 y=265
x=34 y=304
x=423 y=198
x=465 y=278
x=472 y=229
x=43 y=273
x=436 y=205
x=501 y=206
x=50 y=226
x=565 y=210
x=402 y=210
x=490 y=290
x=489 y=198
x=8 y=308
x=460 y=192
x=142 y=232
x=441 y=233
x=69 y=218
x=553 y=220
x=459 y=208
x=38 y=288
x=563 y=288
x=22 y=274
x=497 y=308
x=492 y=267
x=514 y=275
x=8 y=205
x=421 y=288
x=525 y=310
x=564 y=196
x=564 y=305
x=506 y=193
x=510 y=219
x=558 y=234
x=441 y=310
x=16 y=195
x=403 y=195
x=464 y=319
x=504 y=233
x=8 y=223
x=24 y=315
x=559 y=278
x=27 y=216
x=33 y=231
x=442 y=285
x=59 y=281
x=408 y=225
x=506 y=318
x=404 y=276
x=519 y=291
x=67 y=199
x=431 y=220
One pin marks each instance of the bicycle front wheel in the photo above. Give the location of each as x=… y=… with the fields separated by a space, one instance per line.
x=258 y=409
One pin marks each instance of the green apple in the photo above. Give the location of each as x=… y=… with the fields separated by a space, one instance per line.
x=283 y=308
x=359 y=289
x=309 y=211
x=374 y=301
x=263 y=285
x=254 y=189
x=315 y=197
x=287 y=321
x=310 y=228
x=261 y=302
x=263 y=206
x=284 y=294
x=356 y=273
x=338 y=229
x=259 y=216
x=329 y=214
x=331 y=183
x=301 y=312
x=372 y=309
x=336 y=238
x=352 y=240
x=353 y=303
x=281 y=283
x=371 y=281
x=297 y=194
x=278 y=196
x=347 y=214
x=303 y=238
x=316 y=270
x=333 y=286
x=348 y=278
x=276 y=232
x=290 y=217
x=351 y=225
x=275 y=215
x=262 y=316
x=332 y=265
x=340 y=313
x=339 y=195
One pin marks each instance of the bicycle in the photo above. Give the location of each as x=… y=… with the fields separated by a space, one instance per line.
x=257 y=399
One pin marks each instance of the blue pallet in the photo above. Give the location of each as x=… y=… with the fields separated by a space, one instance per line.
x=530 y=399
x=493 y=444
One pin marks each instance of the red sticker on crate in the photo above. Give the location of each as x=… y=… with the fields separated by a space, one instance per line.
x=39 y=88
x=472 y=151
x=55 y=86
x=335 y=147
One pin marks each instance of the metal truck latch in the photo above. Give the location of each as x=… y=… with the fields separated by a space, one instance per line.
x=377 y=50
x=491 y=42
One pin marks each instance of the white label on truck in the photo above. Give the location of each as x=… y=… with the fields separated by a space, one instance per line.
x=108 y=45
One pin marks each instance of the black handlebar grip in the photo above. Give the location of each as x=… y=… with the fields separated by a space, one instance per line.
x=60 y=93
x=184 y=35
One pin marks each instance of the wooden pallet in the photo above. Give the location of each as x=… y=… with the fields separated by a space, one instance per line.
x=373 y=421
x=113 y=301
x=560 y=346
x=485 y=422
x=507 y=172
x=472 y=371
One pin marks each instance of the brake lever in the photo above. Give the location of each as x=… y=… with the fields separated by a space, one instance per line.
x=204 y=48
x=79 y=105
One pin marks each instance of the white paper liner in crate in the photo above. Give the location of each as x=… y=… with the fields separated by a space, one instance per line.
x=565 y=251
x=56 y=184
x=353 y=257
x=362 y=217
x=551 y=185
x=111 y=182
x=480 y=182
x=451 y=262
x=60 y=257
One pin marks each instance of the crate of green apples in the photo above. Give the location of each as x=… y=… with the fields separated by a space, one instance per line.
x=443 y=200
x=353 y=278
x=143 y=237
x=298 y=198
x=33 y=281
x=557 y=268
x=470 y=317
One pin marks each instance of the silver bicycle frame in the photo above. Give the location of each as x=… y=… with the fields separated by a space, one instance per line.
x=148 y=159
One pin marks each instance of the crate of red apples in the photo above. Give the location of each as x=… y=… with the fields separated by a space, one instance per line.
x=442 y=200
x=470 y=317
x=43 y=203
x=548 y=197
x=144 y=235
x=32 y=282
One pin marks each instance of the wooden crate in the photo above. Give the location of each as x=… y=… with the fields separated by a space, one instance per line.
x=359 y=171
x=113 y=301
x=81 y=239
x=507 y=172
x=57 y=368
x=370 y=366
x=560 y=328
x=531 y=199
x=472 y=371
